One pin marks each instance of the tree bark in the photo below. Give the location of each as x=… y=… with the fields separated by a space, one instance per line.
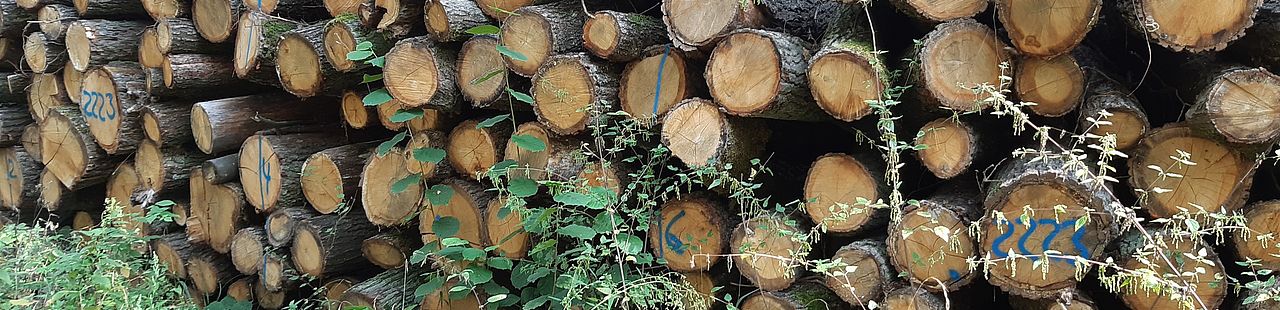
x=559 y=160
x=421 y=73
x=391 y=289
x=222 y=169
x=304 y=10
x=688 y=26
x=31 y=142
x=167 y=169
x=1128 y=120
x=181 y=36
x=223 y=125
x=13 y=19
x=571 y=111
x=807 y=19
x=44 y=55
x=699 y=134
x=331 y=178
x=282 y=224
x=329 y=244
x=167 y=124
x=96 y=42
x=278 y=273
x=448 y=20
x=271 y=165
x=257 y=42
x=14 y=87
x=173 y=251
x=620 y=36
x=912 y=298
x=67 y=151
x=540 y=32
x=799 y=296
x=781 y=69
x=14 y=120
x=199 y=76
x=390 y=250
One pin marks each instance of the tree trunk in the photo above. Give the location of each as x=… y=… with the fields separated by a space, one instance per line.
x=257 y=42
x=173 y=251
x=14 y=87
x=247 y=249
x=573 y=93
x=757 y=246
x=501 y=9
x=14 y=120
x=807 y=19
x=840 y=191
x=930 y=242
x=37 y=4
x=1191 y=26
x=1025 y=22
x=168 y=123
x=420 y=72
x=660 y=71
x=222 y=169
x=483 y=77
x=1027 y=195
x=1219 y=180
x=223 y=125
x=227 y=214
x=72 y=82
x=799 y=296
x=55 y=18
x=46 y=93
x=112 y=100
x=620 y=36
x=18 y=188
x=122 y=187
x=44 y=55
x=13 y=18
x=209 y=270
x=699 y=134
x=355 y=114
x=271 y=165
x=161 y=10
x=762 y=73
x=540 y=32
x=114 y=9
x=198 y=214
x=955 y=146
x=149 y=55
x=390 y=250
x=467 y=204
x=698 y=24
x=215 y=20
x=504 y=228
x=1076 y=300
x=942 y=82
x=343 y=34
x=303 y=67
x=167 y=169
x=472 y=150
x=691 y=233
x=282 y=223
x=382 y=205
x=331 y=178
x=399 y=18
x=96 y=42
x=330 y=244
x=391 y=289
x=305 y=10
x=1198 y=270
x=448 y=20
x=278 y=273
x=66 y=150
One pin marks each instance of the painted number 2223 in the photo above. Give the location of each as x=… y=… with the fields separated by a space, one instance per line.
x=93 y=104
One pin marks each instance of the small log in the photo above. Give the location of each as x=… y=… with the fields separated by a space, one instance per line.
x=271 y=166
x=1218 y=182
x=382 y=206
x=840 y=192
x=122 y=186
x=467 y=204
x=622 y=37
x=335 y=287
x=443 y=299
x=391 y=289
x=697 y=24
x=1127 y=120
x=501 y=9
x=757 y=246
x=661 y=72
x=111 y=100
x=181 y=36
x=72 y=82
x=116 y=9
x=430 y=171
x=223 y=125
x=448 y=20
x=173 y=251
x=917 y=245
x=222 y=169
x=912 y=298
x=161 y=10
x=209 y=271
x=699 y=134
x=343 y=34
x=180 y=211
x=303 y=66
x=431 y=119
x=691 y=233
x=573 y=93
x=1256 y=244
x=330 y=244
x=66 y=150
x=390 y=250
x=18 y=188
x=247 y=249
x=504 y=228
x=330 y=178
x=167 y=169
x=241 y=289
x=1033 y=36
x=55 y=18
x=31 y=142
x=167 y=124
x=945 y=83
x=13 y=19
x=473 y=150
x=541 y=31
x=215 y=20
x=762 y=73
x=1240 y=103
x=557 y=161
x=354 y=113
x=149 y=54
x=14 y=87
x=14 y=120
x=420 y=72
x=291 y=9
x=43 y=55
x=1188 y=26
x=227 y=214
x=257 y=42
x=278 y=273
x=954 y=146
x=1055 y=85
x=282 y=223
x=96 y=42
x=56 y=198
x=802 y=295
x=46 y=93
x=399 y=18
x=271 y=300
x=483 y=77
x=342 y=7
x=1029 y=195
x=1198 y=270
x=861 y=272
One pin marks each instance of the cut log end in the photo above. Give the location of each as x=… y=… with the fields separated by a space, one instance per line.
x=78 y=46
x=150 y=164
x=1205 y=275
x=956 y=58
x=690 y=233
x=501 y=9
x=936 y=11
x=103 y=108
x=842 y=82
x=260 y=172
x=700 y=23
x=413 y=72
x=835 y=185
x=382 y=206
x=482 y=75
x=942 y=264
x=247 y=249
x=464 y=205
x=248 y=43
x=151 y=127
x=745 y=73
x=1195 y=26
x=64 y=151
x=72 y=82
x=208 y=273
x=164 y=9
x=472 y=150
x=529 y=35
x=694 y=132
x=1244 y=105
x=201 y=129
x=600 y=34
x=31 y=142
x=1048 y=28
x=386 y=251
x=951 y=147
x=52 y=20
x=12 y=186
x=914 y=299
x=298 y=66
x=309 y=251
x=765 y=236
x=1219 y=180
x=504 y=228
x=1055 y=85
x=35 y=49
x=45 y=93
x=1262 y=219
x=215 y=19
x=603 y=175
x=868 y=277
x=149 y=54
x=641 y=79
x=338 y=41
x=529 y=164
x=354 y=112
x=170 y=251
x=241 y=289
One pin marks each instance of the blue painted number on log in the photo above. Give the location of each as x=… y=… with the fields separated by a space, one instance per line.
x=93 y=104
x=1077 y=239
x=672 y=240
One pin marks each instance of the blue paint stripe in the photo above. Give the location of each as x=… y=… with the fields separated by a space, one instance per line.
x=657 y=91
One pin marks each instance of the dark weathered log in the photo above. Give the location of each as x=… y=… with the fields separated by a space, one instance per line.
x=573 y=93
x=67 y=150
x=840 y=192
x=763 y=249
x=399 y=18
x=304 y=10
x=942 y=82
x=303 y=66
x=1188 y=26
x=802 y=295
x=223 y=125
x=661 y=72
x=1048 y=28
x=930 y=242
x=209 y=271
x=448 y=20
x=247 y=249
x=14 y=87
x=222 y=169
x=215 y=20
x=483 y=77
x=10 y=53
x=167 y=123
x=390 y=250
x=55 y=18
x=343 y=34
x=173 y=251
x=541 y=31
x=382 y=206
x=280 y=225
x=113 y=9
x=46 y=92
x=697 y=24
x=43 y=55
x=199 y=76
x=14 y=120
x=420 y=72
x=691 y=233
x=391 y=289
x=330 y=244
x=762 y=73
x=807 y=19
x=57 y=199
x=13 y=19
x=227 y=214
x=699 y=134
x=257 y=42
x=1219 y=181
x=335 y=287
x=331 y=178
x=913 y=298
x=96 y=42
x=622 y=37
x=181 y=36
x=271 y=165
x=1174 y=258
x=472 y=150
x=167 y=169
x=18 y=188
x=112 y=99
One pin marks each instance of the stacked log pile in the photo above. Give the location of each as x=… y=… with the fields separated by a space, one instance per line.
x=252 y=118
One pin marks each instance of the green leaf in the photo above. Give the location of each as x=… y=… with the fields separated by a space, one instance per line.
x=385 y=146
x=164 y=203
x=404 y=115
x=520 y=96
x=606 y=222
x=378 y=62
x=502 y=263
x=376 y=97
x=427 y=288
x=487 y=76
x=439 y=194
x=499 y=169
x=514 y=55
x=529 y=143
x=428 y=155
x=359 y=55
x=483 y=30
x=445 y=227
x=577 y=231
x=371 y=78
x=489 y=122
x=630 y=244
x=478 y=275
x=573 y=199
x=454 y=242
x=472 y=254
x=496 y=298
x=403 y=184
x=521 y=188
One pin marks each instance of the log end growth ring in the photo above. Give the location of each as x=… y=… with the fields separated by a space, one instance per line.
x=298 y=66
x=699 y=22
x=832 y=190
x=100 y=104
x=529 y=164
x=79 y=45
x=1035 y=199
x=338 y=41
x=354 y=112
x=462 y=207
x=51 y=190
x=842 y=82
x=765 y=236
x=944 y=260
x=1263 y=218
x=958 y=57
x=248 y=44
x=260 y=172
x=322 y=183
x=1127 y=126
x=162 y=9
x=1244 y=105
x=201 y=129
x=1055 y=85
x=34 y=50
x=600 y=34
x=950 y=147
x=308 y=250
x=471 y=150
x=478 y=59
x=864 y=282
x=689 y=234
x=149 y=53
x=564 y=96
x=694 y=131
x=529 y=35
x=640 y=84
x=381 y=206
x=1199 y=26
x=382 y=253
x=150 y=165
x=744 y=73
x=246 y=252
x=214 y=19
x=411 y=72
x=62 y=149
x=506 y=229
x=1048 y=28
x=1213 y=183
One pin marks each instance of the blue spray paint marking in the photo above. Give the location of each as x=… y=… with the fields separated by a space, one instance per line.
x=1077 y=239
x=673 y=241
x=657 y=90
x=9 y=169
x=264 y=178
x=93 y=104
x=955 y=275
x=248 y=44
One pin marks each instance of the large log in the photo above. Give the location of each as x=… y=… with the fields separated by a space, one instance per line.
x=558 y=160
x=57 y=199
x=43 y=55
x=541 y=31
x=1055 y=85
x=149 y=54
x=1027 y=196
x=281 y=224
x=221 y=169
x=209 y=271
x=448 y=20
x=1258 y=242
x=112 y=99
x=330 y=178
x=166 y=169
x=1189 y=264
x=223 y=125
x=271 y=166
x=257 y=42
x=390 y=250
x=227 y=214
x=1047 y=28
x=621 y=37
x=656 y=82
x=420 y=72
x=861 y=272
x=1219 y=180
x=443 y=299
x=66 y=150
x=846 y=71
x=247 y=249
x=13 y=19
x=467 y=204
x=341 y=37
x=841 y=192
x=691 y=233
x=1240 y=103
x=383 y=206
x=942 y=82
x=55 y=18
x=932 y=12
x=18 y=188
x=399 y=18
x=241 y=289
x=762 y=73
x=181 y=36
x=694 y=24
x=167 y=123
x=10 y=53
x=330 y=244
x=483 y=77
x=391 y=289
x=160 y=10
x=46 y=92
x=573 y=93
x=216 y=19
x=699 y=134
x=802 y=295
x=304 y=67
x=199 y=76
x=96 y=42
x=1188 y=25
x=504 y=229
x=764 y=250
x=473 y=150
x=114 y=9
x=930 y=242
x=198 y=214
